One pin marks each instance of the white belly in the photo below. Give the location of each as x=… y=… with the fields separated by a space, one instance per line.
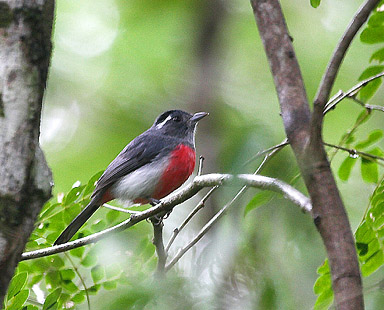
x=140 y=183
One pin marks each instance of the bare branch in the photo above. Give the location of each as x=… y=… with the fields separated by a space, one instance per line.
x=354 y=152
x=338 y=55
x=331 y=104
x=199 y=182
x=158 y=242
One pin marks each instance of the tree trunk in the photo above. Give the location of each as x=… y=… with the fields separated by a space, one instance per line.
x=25 y=179
x=305 y=139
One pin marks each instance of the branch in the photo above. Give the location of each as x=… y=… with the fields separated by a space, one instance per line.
x=304 y=134
x=354 y=152
x=331 y=104
x=269 y=150
x=199 y=182
x=158 y=225
x=338 y=55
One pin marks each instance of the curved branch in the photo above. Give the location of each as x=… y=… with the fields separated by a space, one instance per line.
x=198 y=183
x=338 y=55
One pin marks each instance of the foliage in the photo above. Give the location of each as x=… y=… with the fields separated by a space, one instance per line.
x=65 y=281
x=369 y=245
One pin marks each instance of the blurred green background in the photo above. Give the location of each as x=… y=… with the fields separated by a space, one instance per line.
x=118 y=64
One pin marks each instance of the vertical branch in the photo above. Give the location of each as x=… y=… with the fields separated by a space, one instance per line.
x=328 y=210
x=25 y=179
x=158 y=242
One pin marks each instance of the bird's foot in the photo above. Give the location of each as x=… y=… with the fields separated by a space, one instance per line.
x=153 y=202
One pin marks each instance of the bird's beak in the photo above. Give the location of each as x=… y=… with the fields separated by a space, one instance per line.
x=198 y=116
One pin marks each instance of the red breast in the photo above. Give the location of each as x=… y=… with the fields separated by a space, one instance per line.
x=180 y=166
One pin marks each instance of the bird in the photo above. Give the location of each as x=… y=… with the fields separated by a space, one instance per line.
x=150 y=167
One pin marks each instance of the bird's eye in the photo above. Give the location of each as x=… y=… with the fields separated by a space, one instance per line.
x=176 y=119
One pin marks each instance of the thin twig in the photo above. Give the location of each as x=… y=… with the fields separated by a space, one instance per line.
x=201 y=164
x=81 y=279
x=261 y=153
x=350 y=132
x=338 y=55
x=198 y=183
x=108 y=206
x=365 y=105
x=331 y=104
x=354 y=152
x=199 y=206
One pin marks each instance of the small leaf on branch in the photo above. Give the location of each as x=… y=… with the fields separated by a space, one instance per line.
x=315 y=3
x=258 y=200
x=18 y=301
x=346 y=167
x=369 y=171
x=373 y=137
x=17 y=284
x=378 y=55
x=370 y=89
x=51 y=300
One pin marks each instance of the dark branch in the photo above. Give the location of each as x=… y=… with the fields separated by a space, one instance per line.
x=158 y=242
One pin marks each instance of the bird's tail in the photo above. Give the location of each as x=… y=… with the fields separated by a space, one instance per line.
x=79 y=220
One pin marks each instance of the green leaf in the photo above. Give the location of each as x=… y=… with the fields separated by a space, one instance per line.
x=370 y=89
x=79 y=297
x=378 y=55
x=323 y=287
x=369 y=171
x=50 y=302
x=99 y=225
x=53 y=278
x=94 y=289
x=97 y=273
x=89 y=261
x=376 y=19
x=67 y=274
x=91 y=183
x=30 y=307
x=324 y=300
x=372 y=35
x=17 y=284
x=346 y=167
x=258 y=200
x=79 y=252
x=69 y=286
x=111 y=216
x=363 y=117
x=315 y=3
x=18 y=300
x=109 y=285
x=73 y=194
x=373 y=137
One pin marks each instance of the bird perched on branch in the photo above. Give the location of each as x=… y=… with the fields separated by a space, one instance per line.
x=149 y=168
